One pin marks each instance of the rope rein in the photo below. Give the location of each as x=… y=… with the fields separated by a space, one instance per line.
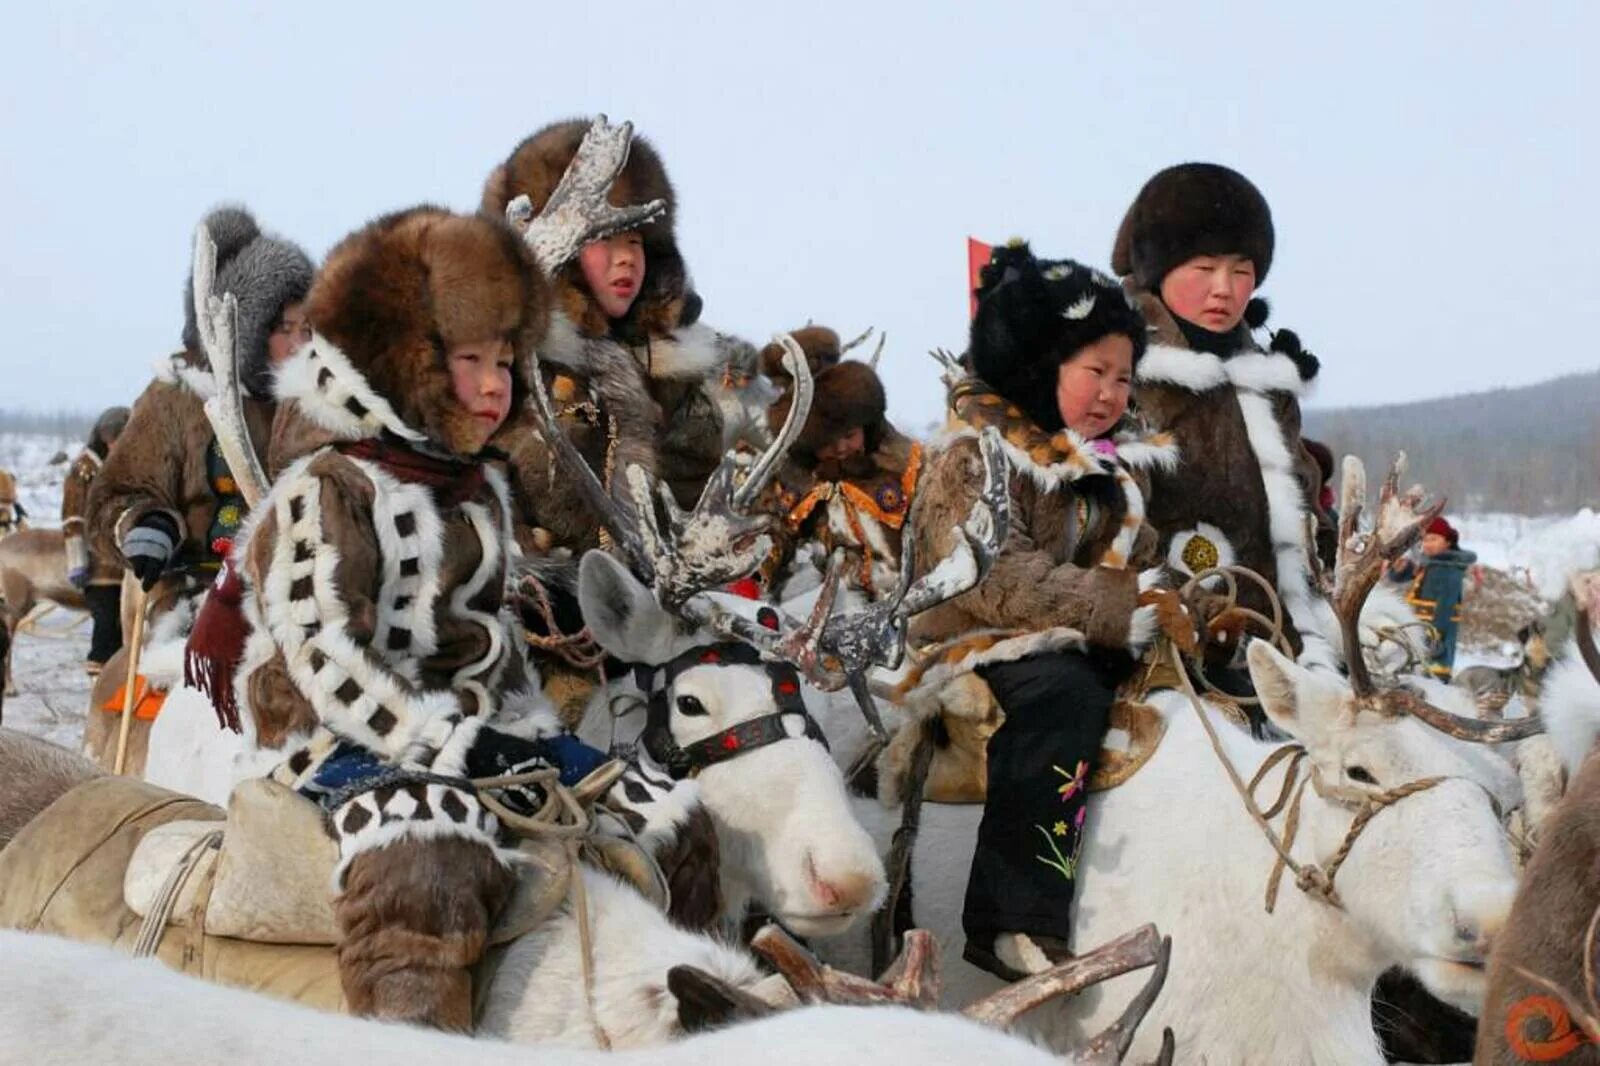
x=1313 y=880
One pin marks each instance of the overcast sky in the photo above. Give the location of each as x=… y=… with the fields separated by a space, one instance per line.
x=1431 y=167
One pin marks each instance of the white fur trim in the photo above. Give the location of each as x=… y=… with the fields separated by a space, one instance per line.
x=689 y=353
x=1286 y=512
x=1264 y=372
x=1057 y=638
x=1196 y=371
x=1153 y=578
x=1143 y=627
x=1081 y=463
x=397 y=820
x=322 y=382
x=177 y=370
x=312 y=630
x=1156 y=453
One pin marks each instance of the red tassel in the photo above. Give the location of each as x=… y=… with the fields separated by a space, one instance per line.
x=216 y=645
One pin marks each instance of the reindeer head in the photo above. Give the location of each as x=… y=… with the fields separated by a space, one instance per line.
x=1429 y=876
x=788 y=837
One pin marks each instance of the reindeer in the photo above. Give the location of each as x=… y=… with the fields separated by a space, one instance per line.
x=139 y=1014
x=33 y=570
x=1546 y=954
x=1394 y=849
x=652 y=981
x=12 y=517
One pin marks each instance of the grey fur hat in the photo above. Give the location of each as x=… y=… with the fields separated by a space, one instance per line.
x=264 y=272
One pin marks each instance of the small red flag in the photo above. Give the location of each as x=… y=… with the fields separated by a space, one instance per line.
x=977 y=257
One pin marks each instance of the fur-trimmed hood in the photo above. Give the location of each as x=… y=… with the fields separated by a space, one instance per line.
x=534 y=169
x=264 y=273
x=390 y=301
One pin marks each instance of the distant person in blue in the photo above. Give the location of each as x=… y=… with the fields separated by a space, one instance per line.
x=1435 y=594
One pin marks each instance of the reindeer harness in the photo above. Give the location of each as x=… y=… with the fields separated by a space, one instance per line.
x=683 y=761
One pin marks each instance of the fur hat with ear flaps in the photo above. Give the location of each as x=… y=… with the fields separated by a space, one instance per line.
x=390 y=301
x=1188 y=210
x=1033 y=315
x=264 y=273
x=535 y=168
x=845 y=394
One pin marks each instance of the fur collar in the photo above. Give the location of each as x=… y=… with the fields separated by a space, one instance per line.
x=184 y=371
x=328 y=390
x=690 y=353
x=1170 y=361
x=1051 y=459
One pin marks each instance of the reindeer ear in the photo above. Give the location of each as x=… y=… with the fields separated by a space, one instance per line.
x=621 y=613
x=1274 y=677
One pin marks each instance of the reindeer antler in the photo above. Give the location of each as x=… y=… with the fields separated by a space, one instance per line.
x=218 y=319
x=1362 y=558
x=912 y=980
x=681 y=554
x=578 y=211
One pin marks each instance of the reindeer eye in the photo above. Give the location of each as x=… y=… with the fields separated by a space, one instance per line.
x=1361 y=774
x=691 y=707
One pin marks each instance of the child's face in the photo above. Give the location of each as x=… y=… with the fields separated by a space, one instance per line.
x=614 y=271
x=481 y=374
x=1434 y=543
x=1210 y=290
x=293 y=330
x=852 y=443
x=1092 y=386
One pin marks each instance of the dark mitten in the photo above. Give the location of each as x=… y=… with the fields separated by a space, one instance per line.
x=150 y=545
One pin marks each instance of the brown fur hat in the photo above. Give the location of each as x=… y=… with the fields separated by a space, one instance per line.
x=535 y=168
x=1188 y=210
x=820 y=345
x=397 y=294
x=845 y=395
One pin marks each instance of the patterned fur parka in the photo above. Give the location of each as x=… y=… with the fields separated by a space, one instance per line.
x=375 y=568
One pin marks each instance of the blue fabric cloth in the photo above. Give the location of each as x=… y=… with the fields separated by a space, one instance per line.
x=576 y=759
x=1435 y=594
x=349 y=765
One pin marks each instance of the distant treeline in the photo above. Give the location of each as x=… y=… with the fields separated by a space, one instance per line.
x=1532 y=450
x=58 y=423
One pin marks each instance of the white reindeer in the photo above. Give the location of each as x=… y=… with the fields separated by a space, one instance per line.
x=1425 y=884
x=62 y=1002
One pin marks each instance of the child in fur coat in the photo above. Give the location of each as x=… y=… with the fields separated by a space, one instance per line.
x=378 y=662
x=1073 y=598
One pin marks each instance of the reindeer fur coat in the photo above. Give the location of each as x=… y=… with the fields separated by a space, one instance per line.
x=1070 y=569
x=163 y=462
x=373 y=592
x=1244 y=485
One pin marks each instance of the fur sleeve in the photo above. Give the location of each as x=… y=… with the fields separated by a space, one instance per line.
x=318 y=565
x=1026 y=589
x=75 y=494
x=142 y=473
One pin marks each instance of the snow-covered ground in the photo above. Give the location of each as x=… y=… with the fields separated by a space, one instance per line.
x=1538 y=553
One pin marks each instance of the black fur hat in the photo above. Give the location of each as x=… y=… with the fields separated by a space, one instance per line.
x=1033 y=315
x=1188 y=210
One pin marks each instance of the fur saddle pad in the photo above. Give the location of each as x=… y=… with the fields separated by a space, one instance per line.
x=964 y=717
